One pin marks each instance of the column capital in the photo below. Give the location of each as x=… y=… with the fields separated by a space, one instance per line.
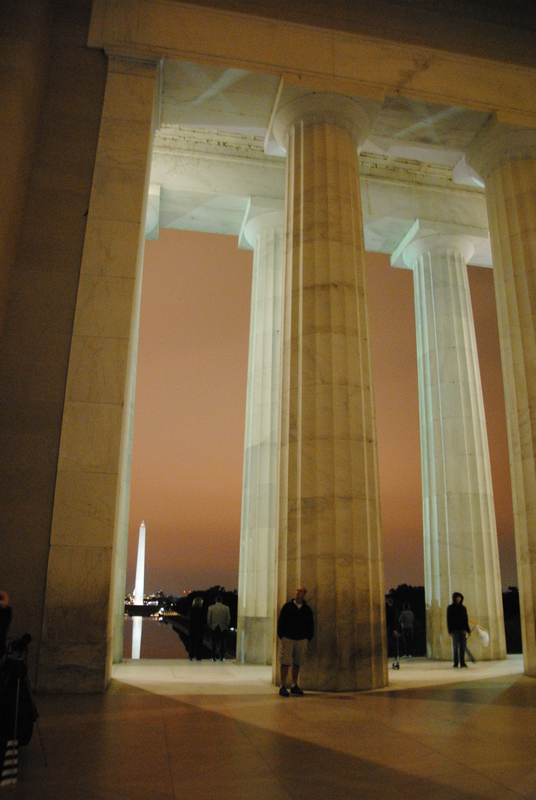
x=272 y=219
x=497 y=144
x=322 y=107
x=435 y=243
x=426 y=236
x=261 y=213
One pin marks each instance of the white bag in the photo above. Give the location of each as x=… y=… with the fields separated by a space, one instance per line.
x=484 y=636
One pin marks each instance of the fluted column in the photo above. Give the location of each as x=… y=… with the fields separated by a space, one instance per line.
x=329 y=516
x=259 y=496
x=459 y=531
x=506 y=159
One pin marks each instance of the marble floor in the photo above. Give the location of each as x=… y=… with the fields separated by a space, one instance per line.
x=175 y=729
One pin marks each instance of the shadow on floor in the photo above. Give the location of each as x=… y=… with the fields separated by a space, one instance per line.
x=507 y=690
x=131 y=743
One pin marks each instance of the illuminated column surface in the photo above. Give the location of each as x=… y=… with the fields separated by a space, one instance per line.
x=506 y=158
x=259 y=502
x=329 y=517
x=460 y=537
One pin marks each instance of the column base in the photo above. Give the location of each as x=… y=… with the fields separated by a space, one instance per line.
x=77 y=668
x=254 y=640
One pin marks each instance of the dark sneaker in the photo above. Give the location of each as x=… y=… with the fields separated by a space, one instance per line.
x=284 y=692
x=296 y=690
x=464 y=666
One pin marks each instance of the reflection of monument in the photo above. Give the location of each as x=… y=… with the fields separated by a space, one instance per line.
x=218 y=120
x=138 y=593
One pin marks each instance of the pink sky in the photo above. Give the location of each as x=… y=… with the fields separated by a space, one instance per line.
x=190 y=408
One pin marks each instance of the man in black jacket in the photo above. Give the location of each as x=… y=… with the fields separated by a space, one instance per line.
x=458 y=625
x=295 y=628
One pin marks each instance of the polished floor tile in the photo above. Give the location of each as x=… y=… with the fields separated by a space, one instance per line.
x=169 y=729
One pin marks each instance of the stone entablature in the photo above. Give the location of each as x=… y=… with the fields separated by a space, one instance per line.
x=315 y=59
x=191 y=163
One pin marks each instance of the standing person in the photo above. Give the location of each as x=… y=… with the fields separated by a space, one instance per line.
x=458 y=625
x=295 y=628
x=196 y=628
x=5 y=620
x=218 y=620
x=407 y=621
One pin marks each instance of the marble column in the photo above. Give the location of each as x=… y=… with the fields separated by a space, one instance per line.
x=460 y=536
x=329 y=536
x=259 y=497
x=506 y=158
x=88 y=538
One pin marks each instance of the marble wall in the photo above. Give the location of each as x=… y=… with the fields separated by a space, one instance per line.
x=89 y=509
x=53 y=103
x=24 y=56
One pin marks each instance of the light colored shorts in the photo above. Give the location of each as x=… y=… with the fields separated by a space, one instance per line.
x=293 y=652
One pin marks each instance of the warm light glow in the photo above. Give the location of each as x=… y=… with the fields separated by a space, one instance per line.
x=190 y=411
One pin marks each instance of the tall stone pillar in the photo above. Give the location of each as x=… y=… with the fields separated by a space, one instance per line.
x=259 y=497
x=329 y=513
x=506 y=158
x=460 y=536
x=89 y=523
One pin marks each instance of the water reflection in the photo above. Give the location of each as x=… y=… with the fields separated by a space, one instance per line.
x=136 y=636
x=157 y=641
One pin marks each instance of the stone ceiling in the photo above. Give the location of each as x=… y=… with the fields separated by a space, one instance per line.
x=214 y=151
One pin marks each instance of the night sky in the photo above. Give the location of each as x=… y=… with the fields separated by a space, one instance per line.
x=190 y=410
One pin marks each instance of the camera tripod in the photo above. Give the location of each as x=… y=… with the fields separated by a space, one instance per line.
x=18 y=709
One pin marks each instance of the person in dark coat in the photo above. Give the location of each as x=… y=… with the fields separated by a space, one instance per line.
x=295 y=628
x=407 y=621
x=196 y=629
x=458 y=626
x=391 y=621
